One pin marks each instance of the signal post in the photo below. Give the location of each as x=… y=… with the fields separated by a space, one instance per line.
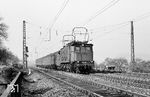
x=25 y=48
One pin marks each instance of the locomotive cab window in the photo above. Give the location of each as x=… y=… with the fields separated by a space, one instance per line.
x=88 y=48
x=72 y=48
x=78 y=49
x=83 y=49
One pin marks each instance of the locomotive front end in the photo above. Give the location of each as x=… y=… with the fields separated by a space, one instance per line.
x=82 y=57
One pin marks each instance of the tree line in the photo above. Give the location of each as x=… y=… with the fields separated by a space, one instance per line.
x=141 y=66
x=6 y=56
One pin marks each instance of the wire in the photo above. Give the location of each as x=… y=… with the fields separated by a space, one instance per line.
x=41 y=29
x=141 y=17
x=33 y=24
x=57 y=16
x=109 y=5
x=109 y=26
x=106 y=32
x=37 y=26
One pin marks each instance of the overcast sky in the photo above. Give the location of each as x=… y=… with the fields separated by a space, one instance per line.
x=42 y=12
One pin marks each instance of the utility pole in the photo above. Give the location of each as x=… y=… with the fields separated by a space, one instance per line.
x=25 y=48
x=132 y=45
x=36 y=53
x=50 y=34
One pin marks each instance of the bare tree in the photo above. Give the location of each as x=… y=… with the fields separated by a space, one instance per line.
x=3 y=31
x=6 y=57
x=141 y=66
x=119 y=63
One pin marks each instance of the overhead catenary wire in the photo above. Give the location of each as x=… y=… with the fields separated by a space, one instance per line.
x=109 y=26
x=37 y=26
x=107 y=32
x=120 y=25
x=57 y=16
x=116 y=25
x=55 y=19
x=109 y=5
x=141 y=17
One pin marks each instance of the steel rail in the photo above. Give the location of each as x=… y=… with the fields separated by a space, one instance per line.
x=80 y=89
x=90 y=81
x=136 y=82
x=107 y=86
x=10 y=87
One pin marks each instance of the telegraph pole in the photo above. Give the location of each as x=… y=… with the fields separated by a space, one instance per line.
x=36 y=53
x=24 y=45
x=132 y=44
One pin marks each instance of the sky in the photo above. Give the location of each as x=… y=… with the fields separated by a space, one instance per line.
x=109 y=37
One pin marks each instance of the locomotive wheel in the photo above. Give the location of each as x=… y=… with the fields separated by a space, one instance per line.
x=69 y=67
x=77 y=70
x=82 y=69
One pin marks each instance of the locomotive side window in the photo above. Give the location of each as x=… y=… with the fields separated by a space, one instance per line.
x=88 y=48
x=78 y=49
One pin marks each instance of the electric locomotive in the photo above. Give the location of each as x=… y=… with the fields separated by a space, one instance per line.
x=75 y=56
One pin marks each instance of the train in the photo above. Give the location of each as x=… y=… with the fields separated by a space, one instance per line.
x=75 y=56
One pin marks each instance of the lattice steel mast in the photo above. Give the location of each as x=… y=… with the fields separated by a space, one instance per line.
x=132 y=44
x=24 y=45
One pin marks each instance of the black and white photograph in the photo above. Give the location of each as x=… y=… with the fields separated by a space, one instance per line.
x=74 y=48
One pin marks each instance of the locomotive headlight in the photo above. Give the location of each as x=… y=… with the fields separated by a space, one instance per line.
x=83 y=62
x=92 y=61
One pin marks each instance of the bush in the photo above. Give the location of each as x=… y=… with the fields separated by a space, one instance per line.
x=9 y=73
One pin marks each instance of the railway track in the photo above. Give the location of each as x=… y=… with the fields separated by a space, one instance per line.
x=126 y=80
x=89 y=86
x=13 y=88
x=115 y=84
x=137 y=75
x=61 y=80
x=128 y=83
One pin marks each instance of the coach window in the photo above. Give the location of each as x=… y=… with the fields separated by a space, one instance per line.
x=77 y=49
